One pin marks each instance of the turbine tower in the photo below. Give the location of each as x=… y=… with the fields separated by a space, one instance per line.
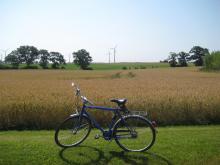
x=109 y=57
x=1 y=56
x=69 y=57
x=5 y=53
x=114 y=49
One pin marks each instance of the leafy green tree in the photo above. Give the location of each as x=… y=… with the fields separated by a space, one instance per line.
x=182 y=58
x=82 y=58
x=44 y=58
x=197 y=55
x=28 y=54
x=57 y=59
x=172 y=59
x=13 y=58
x=212 y=61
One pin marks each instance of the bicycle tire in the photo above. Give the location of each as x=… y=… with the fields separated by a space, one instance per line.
x=134 y=133
x=71 y=128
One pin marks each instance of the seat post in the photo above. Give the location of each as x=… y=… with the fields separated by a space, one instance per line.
x=121 y=104
x=124 y=109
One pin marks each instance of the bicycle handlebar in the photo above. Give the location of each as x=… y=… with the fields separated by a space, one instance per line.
x=78 y=93
x=85 y=100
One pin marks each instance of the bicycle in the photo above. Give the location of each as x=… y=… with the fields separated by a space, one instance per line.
x=131 y=132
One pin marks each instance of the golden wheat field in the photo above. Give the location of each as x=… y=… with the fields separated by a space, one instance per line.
x=39 y=99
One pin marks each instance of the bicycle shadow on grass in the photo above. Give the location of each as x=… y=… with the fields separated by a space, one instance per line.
x=86 y=155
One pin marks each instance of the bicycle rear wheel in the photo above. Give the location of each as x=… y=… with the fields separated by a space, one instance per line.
x=73 y=131
x=134 y=133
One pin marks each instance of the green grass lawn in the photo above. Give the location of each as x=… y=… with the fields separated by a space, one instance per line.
x=112 y=66
x=119 y=66
x=174 y=145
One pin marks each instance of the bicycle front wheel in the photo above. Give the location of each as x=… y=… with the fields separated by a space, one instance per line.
x=134 y=133
x=73 y=131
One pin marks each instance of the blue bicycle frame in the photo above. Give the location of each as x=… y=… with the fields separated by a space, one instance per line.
x=106 y=134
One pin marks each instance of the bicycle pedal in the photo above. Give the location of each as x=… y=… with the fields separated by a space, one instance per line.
x=97 y=136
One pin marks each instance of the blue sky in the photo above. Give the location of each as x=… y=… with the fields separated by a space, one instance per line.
x=143 y=30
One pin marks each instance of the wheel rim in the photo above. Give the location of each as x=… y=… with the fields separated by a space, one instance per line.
x=72 y=133
x=135 y=134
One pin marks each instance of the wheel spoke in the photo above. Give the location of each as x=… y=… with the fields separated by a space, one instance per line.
x=72 y=132
x=134 y=133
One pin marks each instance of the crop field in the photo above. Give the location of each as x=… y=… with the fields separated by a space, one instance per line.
x=39 y=99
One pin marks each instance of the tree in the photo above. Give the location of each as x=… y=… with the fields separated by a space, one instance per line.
x=182 y=58
x=212 y=61
x=82 y=58
x=13 y=59
x=28 y=54
x=172 y=59
x=44 y=58
x=197 y=55
x=57 y=59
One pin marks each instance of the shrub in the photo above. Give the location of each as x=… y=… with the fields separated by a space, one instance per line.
x=55 y=65
x=3 y=66
x=212 y=61
x=88 y=68
x=124 y=68
x=45 y=67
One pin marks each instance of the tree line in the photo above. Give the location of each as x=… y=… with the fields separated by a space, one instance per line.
x=31 y=55
x=181 y=59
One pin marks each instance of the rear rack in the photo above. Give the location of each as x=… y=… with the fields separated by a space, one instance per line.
x=141 y=113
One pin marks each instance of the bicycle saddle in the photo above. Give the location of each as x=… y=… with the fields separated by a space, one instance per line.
x=119 y=101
